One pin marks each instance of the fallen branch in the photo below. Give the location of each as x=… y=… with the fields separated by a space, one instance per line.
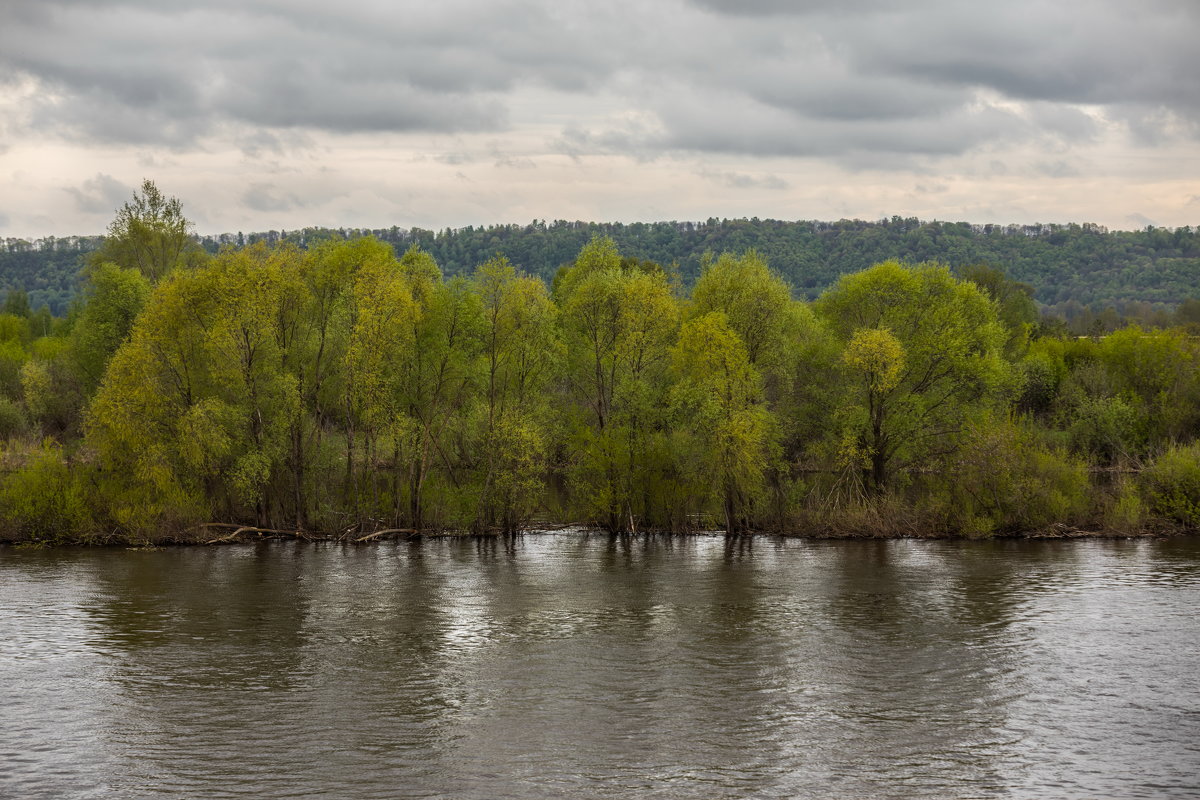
x=240 y=529
x=386 y=531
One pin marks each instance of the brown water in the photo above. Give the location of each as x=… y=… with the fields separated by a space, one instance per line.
x=580 y=667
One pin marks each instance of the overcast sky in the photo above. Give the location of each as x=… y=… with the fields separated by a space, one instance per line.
x=263 y=114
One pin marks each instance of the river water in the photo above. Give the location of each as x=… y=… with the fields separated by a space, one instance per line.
x=576 y=666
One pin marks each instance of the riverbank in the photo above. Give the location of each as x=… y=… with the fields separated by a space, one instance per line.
x=224 y=534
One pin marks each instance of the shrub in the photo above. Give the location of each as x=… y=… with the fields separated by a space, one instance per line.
x=1005 y=479
x=1171 y=485
x=43 y=501
x=1126 y=511
x=13 y=421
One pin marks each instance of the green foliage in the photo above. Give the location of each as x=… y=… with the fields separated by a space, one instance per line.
x=115 y=297
x=150 y=234
x=16 y=303
x=44 y=500
x=13 y=422
x=719 y=394
x=1172 y=485
x=1106 y=430
x=922 y=353
x=618 y=324
x=329 y=385
x=755 y=302
x=1072 y=267
x=1004 y=479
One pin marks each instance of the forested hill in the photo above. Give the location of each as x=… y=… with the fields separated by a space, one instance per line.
x=1086 y=263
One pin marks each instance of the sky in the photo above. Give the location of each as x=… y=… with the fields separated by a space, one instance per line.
x=280 y=114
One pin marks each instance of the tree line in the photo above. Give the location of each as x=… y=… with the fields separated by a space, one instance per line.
x=343 y=389
x=1083 y=274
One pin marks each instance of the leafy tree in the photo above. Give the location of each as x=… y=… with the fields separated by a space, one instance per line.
x=192 y=414
x=17 y=303
x=921 y=351
x=718 y=399
x=438 y=382
x=1017 y=311
x=380 y=317
x=754 y=300
x=520 y=349
x=618 y=324
x=114 y=298
x=150 y=234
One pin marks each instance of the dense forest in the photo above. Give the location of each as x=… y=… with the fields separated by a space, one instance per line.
x=1073 y=268
x=351 y=390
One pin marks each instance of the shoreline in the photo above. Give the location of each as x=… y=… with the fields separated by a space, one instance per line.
x=1054 y=533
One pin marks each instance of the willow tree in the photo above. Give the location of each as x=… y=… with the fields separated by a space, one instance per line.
x=921 y=352
x=718 y=402
x=437 y=382
x=756 y=303
x=619 y=319
x=192 y=414
x=520 y=351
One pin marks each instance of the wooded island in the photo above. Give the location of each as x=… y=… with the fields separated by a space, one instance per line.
x=342 y=391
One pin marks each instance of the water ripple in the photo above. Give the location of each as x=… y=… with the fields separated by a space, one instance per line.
x=585 y=666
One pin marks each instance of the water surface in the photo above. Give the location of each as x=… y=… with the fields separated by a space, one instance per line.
x=590 y=667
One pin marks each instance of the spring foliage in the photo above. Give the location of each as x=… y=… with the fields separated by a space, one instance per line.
x=345 y=389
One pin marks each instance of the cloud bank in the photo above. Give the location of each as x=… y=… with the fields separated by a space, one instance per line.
x=853 y=86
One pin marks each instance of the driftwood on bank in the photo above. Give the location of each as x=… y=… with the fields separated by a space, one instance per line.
x=371 y=537
x=241 y=529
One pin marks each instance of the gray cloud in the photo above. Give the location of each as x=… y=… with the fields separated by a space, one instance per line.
x=767 y=8
x=741 y=180
x=453 y=159
x=864 y=82
x=1056 y=169
x=102 y=194
x=512 y=162
x=268 y=197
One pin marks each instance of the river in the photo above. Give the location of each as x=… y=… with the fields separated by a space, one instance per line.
x=582 y=666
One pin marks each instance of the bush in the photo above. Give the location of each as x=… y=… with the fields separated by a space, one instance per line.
x=43 y=501
x=1005 y=480
x=1125 y=511
x=13 y=421
x=1106 y=430
x=1171 y=485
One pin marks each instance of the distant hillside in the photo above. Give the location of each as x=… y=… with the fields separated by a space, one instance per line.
x=1087 y=264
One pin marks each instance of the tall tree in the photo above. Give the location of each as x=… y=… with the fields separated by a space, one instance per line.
x=520 y=346
x=718 y=400
x=921 y=351
x=619 y=320
x=150 y=234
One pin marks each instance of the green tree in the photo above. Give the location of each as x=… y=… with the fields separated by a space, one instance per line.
x=438 y=382
x=755 y=301
x=921 y=352
x=618 y=322
x=520 y=350
x=192 y=416
x=16 y=302
x=1017 y=311
x=150 y=234
x=114 y=298
x=718 y=400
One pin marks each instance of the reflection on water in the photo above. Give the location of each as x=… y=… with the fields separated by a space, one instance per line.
x=588 y=666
